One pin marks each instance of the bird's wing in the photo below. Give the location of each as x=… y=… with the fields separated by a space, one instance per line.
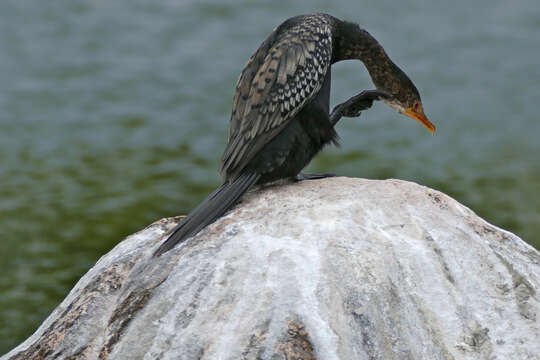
x=279 y=79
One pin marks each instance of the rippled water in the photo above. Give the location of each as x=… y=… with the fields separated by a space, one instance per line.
x=114 y=114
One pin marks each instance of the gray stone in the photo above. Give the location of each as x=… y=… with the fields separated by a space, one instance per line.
x=331 y=269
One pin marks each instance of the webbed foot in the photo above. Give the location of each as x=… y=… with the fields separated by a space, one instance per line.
x=303 y=176
x=356 y=104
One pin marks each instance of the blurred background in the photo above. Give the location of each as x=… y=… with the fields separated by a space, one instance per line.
x=114 y=114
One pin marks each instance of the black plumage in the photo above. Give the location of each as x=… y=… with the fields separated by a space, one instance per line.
x=280 y=118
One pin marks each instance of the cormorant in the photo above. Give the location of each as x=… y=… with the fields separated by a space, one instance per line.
x=280 y=117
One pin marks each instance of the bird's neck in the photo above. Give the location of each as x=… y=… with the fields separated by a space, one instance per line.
x=352 y=42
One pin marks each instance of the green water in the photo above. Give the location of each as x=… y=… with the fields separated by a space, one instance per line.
x=114 y=114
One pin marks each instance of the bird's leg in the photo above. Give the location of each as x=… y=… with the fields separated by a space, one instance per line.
x=349 y=108
x=354 y=106
x=303 y=176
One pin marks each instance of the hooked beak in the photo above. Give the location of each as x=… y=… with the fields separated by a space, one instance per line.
x=418 y=115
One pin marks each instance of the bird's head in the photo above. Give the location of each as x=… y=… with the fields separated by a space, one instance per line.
x=411 y=107
x=404 y=97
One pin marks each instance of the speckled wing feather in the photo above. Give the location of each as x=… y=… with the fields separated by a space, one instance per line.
x=279 y=79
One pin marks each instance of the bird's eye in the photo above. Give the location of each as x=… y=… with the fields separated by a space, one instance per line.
x=415 y=106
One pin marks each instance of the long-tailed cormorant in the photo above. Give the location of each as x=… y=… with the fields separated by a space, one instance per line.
x=280 y=117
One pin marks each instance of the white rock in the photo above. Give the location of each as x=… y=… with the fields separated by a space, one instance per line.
x=330 y=269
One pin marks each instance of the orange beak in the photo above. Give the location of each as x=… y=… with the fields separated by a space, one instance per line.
x=418 y=115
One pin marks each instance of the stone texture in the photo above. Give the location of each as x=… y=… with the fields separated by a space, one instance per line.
x=331 y=269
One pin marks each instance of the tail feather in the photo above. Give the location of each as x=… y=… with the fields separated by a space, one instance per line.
x=213 y=207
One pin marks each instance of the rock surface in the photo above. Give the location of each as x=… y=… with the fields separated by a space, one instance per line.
x=331 y=269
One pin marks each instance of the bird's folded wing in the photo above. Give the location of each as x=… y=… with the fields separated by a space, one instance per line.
x=281 y=76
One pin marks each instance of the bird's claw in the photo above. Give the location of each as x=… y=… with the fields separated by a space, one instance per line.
x=304 y=176
x=363 y=101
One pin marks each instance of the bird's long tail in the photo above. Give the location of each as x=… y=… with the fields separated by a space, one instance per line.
x=214 y=206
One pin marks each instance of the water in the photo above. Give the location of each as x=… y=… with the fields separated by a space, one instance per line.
x=114 y=114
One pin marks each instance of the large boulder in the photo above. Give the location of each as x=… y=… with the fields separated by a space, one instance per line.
x=330 y=269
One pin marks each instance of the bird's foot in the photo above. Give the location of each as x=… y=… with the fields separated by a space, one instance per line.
x=363 y=101
x=303 y=176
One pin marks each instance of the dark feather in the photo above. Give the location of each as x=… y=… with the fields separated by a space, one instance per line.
x=214 y=206
x=279 y=79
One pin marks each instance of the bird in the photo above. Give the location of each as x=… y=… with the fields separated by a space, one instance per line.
x=280 y=115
